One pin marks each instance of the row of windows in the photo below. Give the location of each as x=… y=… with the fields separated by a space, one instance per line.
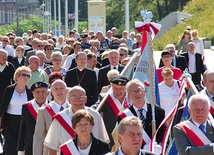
x=6 y=16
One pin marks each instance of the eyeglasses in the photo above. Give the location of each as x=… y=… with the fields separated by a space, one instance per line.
x=57 y=60
x=17 y=41
x=167 y=56
x=5 y=40
x=187 y=33
x=122 y=55
x=75 y=98
x=138 y=91
x=25 y=75
x=171 y=51
x=40 y=45
x=49 y=49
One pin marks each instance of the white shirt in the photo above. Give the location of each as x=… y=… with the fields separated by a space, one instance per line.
x=168 y=96
x=191 y=64
x=96 y=71
x=9 y=49
x=121 y=153
x=69 y=60
x=144 y=110
x=2 y=67
x=16 y=102
x=112 y=67
x=199 y=47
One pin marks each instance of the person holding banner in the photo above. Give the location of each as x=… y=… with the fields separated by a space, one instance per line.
x=29 y=117
x=195 y=136
x=130 y=137
x=84 y=143
x=136 y=93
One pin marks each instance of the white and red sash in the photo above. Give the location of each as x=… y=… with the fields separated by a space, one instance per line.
x=65 y=121
x=32 y=109
x=194 y=133
x=50 y=110
x=113 y=105
x=212 y=110
x=68 y=148
x=145 y=138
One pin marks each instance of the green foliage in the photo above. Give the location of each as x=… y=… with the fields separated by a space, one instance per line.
x=82 y=25
x=202 y=14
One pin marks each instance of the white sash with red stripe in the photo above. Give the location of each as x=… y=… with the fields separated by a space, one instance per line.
x=68 y=148
x=65 y=121
x=145 y=137
x=194 y=133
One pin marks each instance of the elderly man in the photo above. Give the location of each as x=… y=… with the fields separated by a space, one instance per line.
x=6 y=71
x=130 y=137
x=177 y=60
x=5 y=45
x=45 y=115
x=136 y=93
x=195 y=136
x=37 y=74
x=195 y=63
x=208 y=82
x=84 y=77
x=113 y=58
x=29 y=117
x=114 y=103
x=61 y=126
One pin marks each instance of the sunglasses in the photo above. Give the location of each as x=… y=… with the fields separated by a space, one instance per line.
x=49 y=49
x=187 y=33
x=167 y=56
x=5 y=40
x=17 y=41
x=122 y=55
x=40 y=45
x=25 y=75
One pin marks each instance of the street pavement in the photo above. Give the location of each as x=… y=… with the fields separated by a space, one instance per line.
x=209 y=58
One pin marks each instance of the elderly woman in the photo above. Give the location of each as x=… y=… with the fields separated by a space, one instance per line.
x=56 y=67
x=169 y=90
x=48 y=51
x=85 y=143
x=19 y=59
x=10 y=108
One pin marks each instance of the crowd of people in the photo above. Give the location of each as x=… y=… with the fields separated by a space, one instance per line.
x=65 y=95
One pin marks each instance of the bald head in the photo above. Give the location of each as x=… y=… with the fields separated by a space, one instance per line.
x=208 y=81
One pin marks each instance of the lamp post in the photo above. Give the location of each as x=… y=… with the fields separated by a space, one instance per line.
x=59 y=16
x=127 y=15
x=43 y=14
x=76 y=14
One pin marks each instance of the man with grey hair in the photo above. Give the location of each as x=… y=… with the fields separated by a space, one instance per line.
x=195 y=136
x=7 y=71
x=136 y=93
x=130 y=137
x=38 y=75
x=5 y=45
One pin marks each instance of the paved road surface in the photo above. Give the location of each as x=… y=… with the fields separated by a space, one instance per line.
x=209 y=58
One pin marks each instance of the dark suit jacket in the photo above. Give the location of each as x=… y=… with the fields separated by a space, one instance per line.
x=98 y=147
x=86 y=79
x=26 y=131
x=102 y=76
x=143 y=152
x=199 y=66
x=159 y=116
x=180 y=62
x=185 y=145
x=16 y=63
x=6 y=97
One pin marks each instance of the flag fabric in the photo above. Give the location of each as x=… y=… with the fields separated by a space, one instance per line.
x=168 y=120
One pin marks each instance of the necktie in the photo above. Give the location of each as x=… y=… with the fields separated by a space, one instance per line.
x=114 y=67
x=172 y=62
x=212 y=98
x=202 y=128
x=143 y=119
x=61 y=108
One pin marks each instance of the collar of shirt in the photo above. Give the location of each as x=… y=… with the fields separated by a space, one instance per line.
x=197 y=124
x=2 y=67
x=36 y=106
x=64 y=105
x=112 y=67
x=145 y=109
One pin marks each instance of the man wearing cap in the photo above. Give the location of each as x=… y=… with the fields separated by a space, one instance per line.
x=29 y=117
x=46 y=113
x=114 y=104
